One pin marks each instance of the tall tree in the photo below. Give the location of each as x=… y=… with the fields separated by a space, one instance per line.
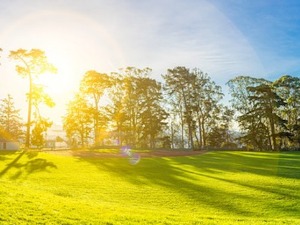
x=78 y=121
x=266 y=102
x=32 y=63
x=259 y=107
x=288 y=88
x=242 y=105
x=94 y=85
x=152 y=115
x=115 y=110
x=179 y=83
x=194 y=98
x=131 y=101
x=135 y=110
x=206 y=107
x=10 y=120
x=126 y=107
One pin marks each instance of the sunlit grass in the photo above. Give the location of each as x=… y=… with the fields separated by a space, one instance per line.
x=215 y=188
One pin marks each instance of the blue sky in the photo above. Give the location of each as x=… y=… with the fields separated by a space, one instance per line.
x=223 y=38
x=272 y=27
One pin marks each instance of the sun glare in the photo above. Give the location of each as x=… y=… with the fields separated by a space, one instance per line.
x=62 y=81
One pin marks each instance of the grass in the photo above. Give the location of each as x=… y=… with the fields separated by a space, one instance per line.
x=215 y=188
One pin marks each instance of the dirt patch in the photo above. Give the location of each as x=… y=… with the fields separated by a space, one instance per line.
x=143 y=154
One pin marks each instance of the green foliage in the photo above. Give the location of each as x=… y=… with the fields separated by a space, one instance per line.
x=194 y=103
x=93 y=85
x=268 y=112
x=287 y=87
x=78 y=121
x=136 y=113
x=10 y=120
x=216 y=188
x=38 y=132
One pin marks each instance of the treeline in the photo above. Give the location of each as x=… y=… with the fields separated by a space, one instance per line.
x=184 y=110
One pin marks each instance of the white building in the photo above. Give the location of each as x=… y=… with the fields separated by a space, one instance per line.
x=9 y=145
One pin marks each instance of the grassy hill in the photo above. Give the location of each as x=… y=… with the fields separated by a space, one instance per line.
x=214 y=188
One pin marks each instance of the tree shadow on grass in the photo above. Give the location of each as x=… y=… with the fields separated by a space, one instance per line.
x=174 y=180
x=188 y=176
x=271 y=172
x=6 y=154
x=26 y=163
x=284 y=165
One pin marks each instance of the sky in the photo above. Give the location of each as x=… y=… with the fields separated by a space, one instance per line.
x=225 y=39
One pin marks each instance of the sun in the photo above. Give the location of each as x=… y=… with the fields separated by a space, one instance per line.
x=62 y=81
x=62 y=86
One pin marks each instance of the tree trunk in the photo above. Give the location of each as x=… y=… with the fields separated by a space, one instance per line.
x=200 y=133
x=172 y=136
x=203 y=133
x=190 y=134
x=197 y=139
x=27 y=144
x=96 y=124
x=182 y=128
x=273 y=138
x=119 y=134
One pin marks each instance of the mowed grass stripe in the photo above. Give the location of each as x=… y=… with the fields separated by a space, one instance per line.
x=215 y=188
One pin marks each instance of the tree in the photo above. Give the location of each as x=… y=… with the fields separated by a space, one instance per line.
x=130 y=78
x=78 y=121
x=125 y=108
x=220 y=135
x=31 y=64
x=94 y=85
x=259 y=107
x=206 y=108
x=243 y=107
x=178 y=82
x=136 y=114
x=40 y=127
x=10 y=119
x=40 y=123
x=288 y=88
x=152 y=115
x=266 y=102
x=193 y=98
x=238 y=88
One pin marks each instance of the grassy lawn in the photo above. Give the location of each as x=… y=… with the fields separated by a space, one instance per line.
x=214 y=188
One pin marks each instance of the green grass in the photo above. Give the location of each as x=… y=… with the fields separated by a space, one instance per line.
x=215 y=188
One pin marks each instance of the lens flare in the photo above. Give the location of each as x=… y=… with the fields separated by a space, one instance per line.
x=132 y=157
